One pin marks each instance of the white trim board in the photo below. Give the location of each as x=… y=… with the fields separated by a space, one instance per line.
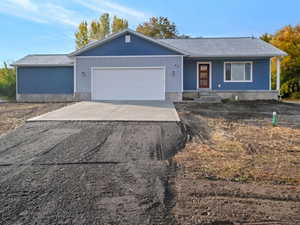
x=127 y=56
x=74 y=76
x=182 y=62
x=44 y=65
x=238 y=81
x=270 y=74
x=16 y=68
x=210 y=75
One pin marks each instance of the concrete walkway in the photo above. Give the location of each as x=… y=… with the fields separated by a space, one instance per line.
x=113 y=111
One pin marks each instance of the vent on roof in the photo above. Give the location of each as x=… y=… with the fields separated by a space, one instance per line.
x=127 y=38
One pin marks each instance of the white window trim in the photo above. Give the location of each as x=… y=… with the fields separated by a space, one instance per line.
x=210 y=75
x=243 y=81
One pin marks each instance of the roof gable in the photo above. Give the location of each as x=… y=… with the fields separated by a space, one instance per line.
x=115 y=45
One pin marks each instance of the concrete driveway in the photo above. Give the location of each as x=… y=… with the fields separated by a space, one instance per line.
x=114 y=111
x=88 y=173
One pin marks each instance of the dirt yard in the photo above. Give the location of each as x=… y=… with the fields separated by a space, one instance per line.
x=13 y=115
x=237 y=168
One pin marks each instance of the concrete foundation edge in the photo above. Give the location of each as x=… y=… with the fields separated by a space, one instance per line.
x=242 y=95
x=79 y=96
x=44 y=97
x=174 y=96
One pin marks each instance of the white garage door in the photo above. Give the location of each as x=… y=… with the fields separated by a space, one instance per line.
x=128 y=83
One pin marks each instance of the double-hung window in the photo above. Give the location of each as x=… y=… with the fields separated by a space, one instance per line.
x=238 y=71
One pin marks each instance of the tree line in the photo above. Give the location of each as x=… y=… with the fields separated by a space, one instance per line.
x=156 y=27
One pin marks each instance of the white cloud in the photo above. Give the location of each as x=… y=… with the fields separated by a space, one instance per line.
x=54 y=12
x=26 y=4
x=40 y=11
x=114 y=9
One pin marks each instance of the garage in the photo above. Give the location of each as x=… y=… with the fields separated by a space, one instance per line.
x=128 y=83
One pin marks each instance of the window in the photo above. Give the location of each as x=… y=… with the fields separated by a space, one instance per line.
x=127 y=38
x=238 y=72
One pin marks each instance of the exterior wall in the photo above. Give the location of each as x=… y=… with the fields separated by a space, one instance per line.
x=260 y=75
x=45 y=80
x=137 y=46
x=173 y=75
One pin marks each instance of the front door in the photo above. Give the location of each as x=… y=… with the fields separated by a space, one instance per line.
x=203 y=75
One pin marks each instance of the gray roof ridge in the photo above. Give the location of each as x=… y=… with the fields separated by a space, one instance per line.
x=46 y=54
x=193 y=38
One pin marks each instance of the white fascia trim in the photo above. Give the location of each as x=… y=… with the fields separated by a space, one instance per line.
x=74 y=77
x=44 y=65
x=126 y=56
x=270 y=74
x=234 y=56
x=182 y=61
x=113 y=36
x=16 y=68
x=210 y=75
x=238 y=81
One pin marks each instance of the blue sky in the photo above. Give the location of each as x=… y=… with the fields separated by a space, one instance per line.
x=48 y=26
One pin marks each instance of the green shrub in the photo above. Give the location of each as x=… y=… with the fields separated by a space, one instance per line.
x=295 y=95
x=8 y=82
x=290 y=87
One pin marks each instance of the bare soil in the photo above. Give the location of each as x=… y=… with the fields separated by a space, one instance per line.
x=13 y=115
x=88 y=173
x=237 y=168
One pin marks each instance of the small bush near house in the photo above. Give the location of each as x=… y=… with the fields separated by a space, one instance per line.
x=290 y=87
x=8 y=82
x=296 y=95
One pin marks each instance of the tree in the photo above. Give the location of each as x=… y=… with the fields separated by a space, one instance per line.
x=95 y=30
x=158 y=27
x=118 y=24
x=183 y=36
x=98 y=29
x=288 y=40
x=82 y=35
x=104 y=25
x=7 y=82
x=266 y=37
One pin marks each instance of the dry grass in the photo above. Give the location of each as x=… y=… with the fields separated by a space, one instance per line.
x=243 y=152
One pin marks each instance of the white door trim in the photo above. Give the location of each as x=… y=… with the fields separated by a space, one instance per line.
x=210 y=75
x=112 y=68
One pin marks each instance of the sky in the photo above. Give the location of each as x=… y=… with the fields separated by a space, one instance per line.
x=48 y=26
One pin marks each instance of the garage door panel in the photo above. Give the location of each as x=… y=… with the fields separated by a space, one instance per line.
x=128 y=84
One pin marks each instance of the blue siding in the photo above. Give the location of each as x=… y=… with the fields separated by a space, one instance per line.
x=137 y=46
x=260 y=75
x=45 y=80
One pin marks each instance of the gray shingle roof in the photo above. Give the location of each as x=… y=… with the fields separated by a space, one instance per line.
x=193 y=47
x=225 y=47
x=45 y=60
